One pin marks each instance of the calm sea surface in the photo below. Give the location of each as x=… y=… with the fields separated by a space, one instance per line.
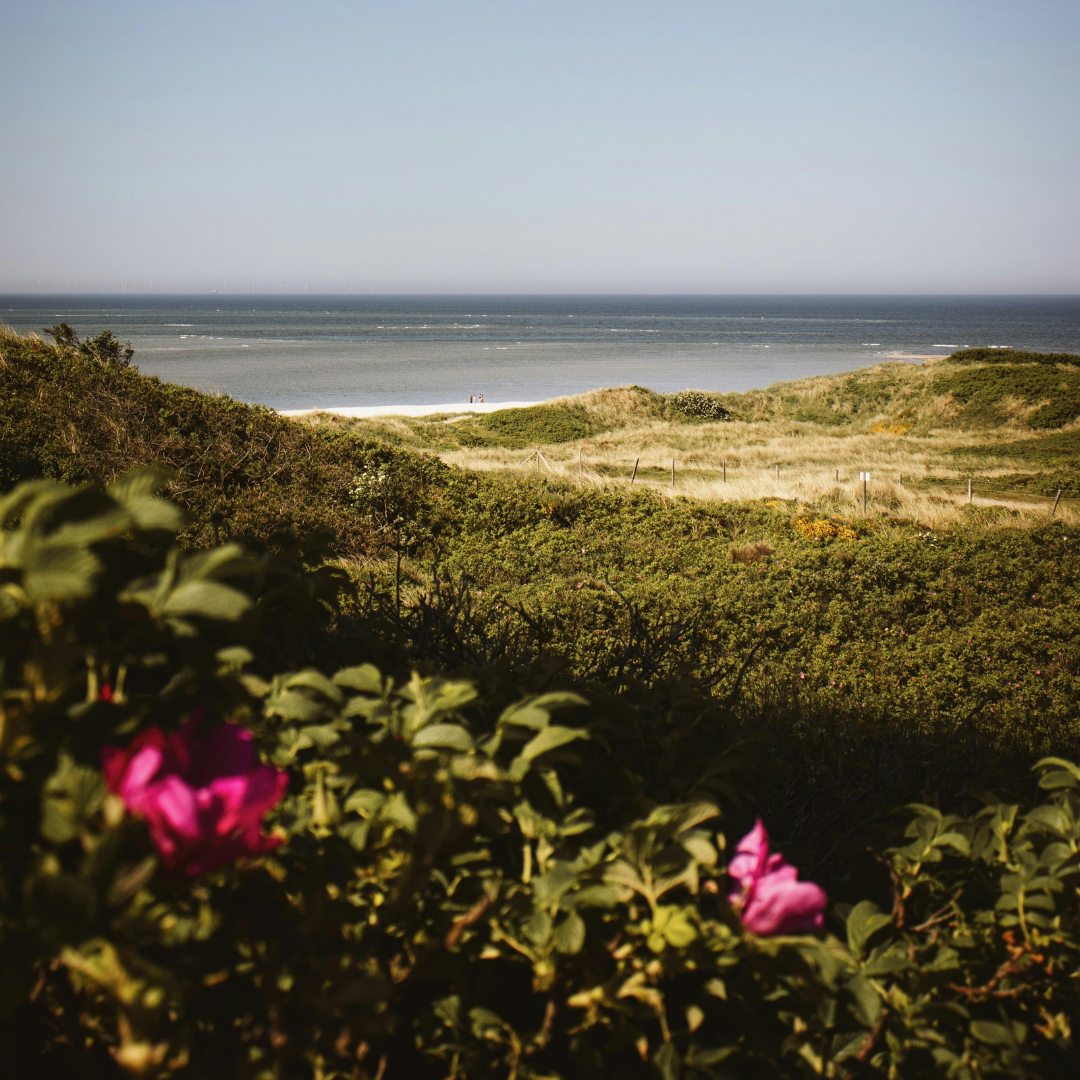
x=294 y=352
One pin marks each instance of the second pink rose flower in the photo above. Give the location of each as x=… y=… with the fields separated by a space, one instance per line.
x=767 y=893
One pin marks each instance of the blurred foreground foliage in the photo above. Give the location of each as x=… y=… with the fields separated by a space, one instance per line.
x=474 y=877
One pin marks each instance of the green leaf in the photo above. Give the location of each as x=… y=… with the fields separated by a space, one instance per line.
x=666 y=1059
x=602 y=896
x=550 y=886
x=367 y=802
x=535 y=712
x=448 y=736
x=366 y=679
x=207 y=599
x=957 y=841
x=292 y=705
x=59 y=571
x=551 y=738
x=994 y=1034
x=569 y=935
x=135 y=492
x=538 y=927
x=1057 y=773
x=867 y=1000
x=487 y=1025
x=70 y=797
x=312 y=679
x=865 y=920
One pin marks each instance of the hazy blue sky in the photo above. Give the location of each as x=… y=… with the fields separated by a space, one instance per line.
x=536 y=145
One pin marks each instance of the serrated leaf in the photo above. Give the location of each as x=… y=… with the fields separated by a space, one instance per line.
x=957 y=841
x=1050 y=817
x=549 y=887
x=1057 y=772
x=569 y=936
x=700 y=848
x=602 y=896
x=206 y=599
x=448 y=736
x=865 y=919
x=312 y=679
x=365 y=679
x=367 y=802
x=59 y=572
x=69 y=798
x=538 y=927
x=535 y=712
x=867 y=1001
x=550 y=738
x=994 y=1034
x=293 y=705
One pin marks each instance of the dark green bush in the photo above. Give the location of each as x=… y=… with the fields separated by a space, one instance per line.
x=463 y=886
x=1022 y=382
x=537 y=424
x=1011 y=356
x=242 y=471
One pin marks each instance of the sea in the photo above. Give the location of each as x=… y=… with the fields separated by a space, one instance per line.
x=306 y=352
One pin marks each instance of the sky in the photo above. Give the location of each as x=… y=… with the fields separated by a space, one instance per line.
x=592 y=146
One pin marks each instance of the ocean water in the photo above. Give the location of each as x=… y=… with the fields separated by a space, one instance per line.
x=296 y=352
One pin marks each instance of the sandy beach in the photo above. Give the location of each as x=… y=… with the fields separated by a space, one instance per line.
x=412 y=410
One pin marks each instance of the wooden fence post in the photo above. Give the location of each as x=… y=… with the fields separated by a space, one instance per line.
x=778 y=474
x=1057 y=499
x=634 y=475
x=969 y=490
x=725 y=472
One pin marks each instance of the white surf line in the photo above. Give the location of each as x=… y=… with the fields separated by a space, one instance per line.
x=411 y=410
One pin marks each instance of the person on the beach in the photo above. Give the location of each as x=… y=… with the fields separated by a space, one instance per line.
x=470 y=399
x=481 y=399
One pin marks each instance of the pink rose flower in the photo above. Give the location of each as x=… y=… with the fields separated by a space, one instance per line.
x=203 y=798
x=767 y=894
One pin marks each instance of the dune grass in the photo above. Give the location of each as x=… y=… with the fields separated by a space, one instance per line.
x=921 y=431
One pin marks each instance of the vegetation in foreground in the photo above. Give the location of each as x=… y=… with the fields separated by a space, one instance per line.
x=811 y=667
x=209 y=872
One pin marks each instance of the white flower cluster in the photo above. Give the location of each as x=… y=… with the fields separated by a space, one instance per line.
x=368 y=482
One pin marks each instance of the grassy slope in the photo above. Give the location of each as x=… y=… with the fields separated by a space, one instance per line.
x=934 y=424
x=892 y=640
x=239 y=470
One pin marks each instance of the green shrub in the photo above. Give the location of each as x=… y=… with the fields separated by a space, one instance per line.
x=241 y=470
x=1031 y=383
x=1055 y=414
x=536 y=424
x=700 y=405
x=1011 y=356
x=456 y=886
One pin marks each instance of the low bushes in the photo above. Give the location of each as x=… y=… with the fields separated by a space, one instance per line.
x=212 y=869
x=699 y=405
x=76 y=412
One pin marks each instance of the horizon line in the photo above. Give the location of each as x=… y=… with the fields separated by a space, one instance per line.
x=515 y=295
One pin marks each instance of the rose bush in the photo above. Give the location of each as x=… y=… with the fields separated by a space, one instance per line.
x=203 y=797
x=219 y=870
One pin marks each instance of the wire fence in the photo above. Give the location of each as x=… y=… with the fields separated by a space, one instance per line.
x=970 y=487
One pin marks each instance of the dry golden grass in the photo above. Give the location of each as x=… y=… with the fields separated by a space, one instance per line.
x=816 y=469
x=885 y=423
